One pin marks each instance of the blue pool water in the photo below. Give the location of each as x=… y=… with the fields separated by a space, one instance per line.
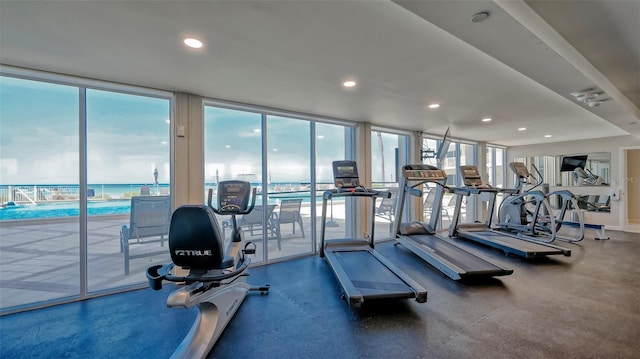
x=64 y=209
x=107 y=207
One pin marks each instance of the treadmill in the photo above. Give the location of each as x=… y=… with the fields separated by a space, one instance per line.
x=483 y=233
x=362 y=272
x=442 y=253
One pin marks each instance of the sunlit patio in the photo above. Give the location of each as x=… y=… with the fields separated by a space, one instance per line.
x=39 y=258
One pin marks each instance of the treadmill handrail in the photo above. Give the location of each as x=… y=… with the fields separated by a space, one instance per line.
x=357 y=192
x=363 y=192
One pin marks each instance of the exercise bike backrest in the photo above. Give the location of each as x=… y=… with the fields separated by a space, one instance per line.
x=195 y=238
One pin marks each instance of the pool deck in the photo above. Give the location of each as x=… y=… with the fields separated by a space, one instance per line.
x=39 y=259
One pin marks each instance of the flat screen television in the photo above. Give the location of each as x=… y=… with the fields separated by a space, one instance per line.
x=570 y=163
x=444 y=147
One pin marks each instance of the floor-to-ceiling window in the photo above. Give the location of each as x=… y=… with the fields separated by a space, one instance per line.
x=39 y=176
x=233 y=151
x=334 y=142
x=467 y=156
x=275 y=152
x=389 y=152
x=495 y=169
x=72 y=157
x=495 y=172
x=457 y=154
x=289 y=172
x=127 y=157
x=431 y=148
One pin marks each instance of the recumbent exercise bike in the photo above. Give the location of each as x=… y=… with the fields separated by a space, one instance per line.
x=215 y=281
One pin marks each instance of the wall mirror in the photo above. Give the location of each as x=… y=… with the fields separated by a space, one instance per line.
x=582 y=170
x=589 y=169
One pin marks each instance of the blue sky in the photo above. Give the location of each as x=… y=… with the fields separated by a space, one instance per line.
x=128 y=137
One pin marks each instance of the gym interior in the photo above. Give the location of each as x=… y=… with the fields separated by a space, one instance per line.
x=319 y=179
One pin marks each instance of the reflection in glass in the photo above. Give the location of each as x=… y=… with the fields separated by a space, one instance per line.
x=591 y=169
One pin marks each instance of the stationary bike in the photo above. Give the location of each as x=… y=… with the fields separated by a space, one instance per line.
x=529 y=213
x=215 y=281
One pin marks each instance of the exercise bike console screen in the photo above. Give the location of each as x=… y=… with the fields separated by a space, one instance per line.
x=345 y=174
x=233 y=196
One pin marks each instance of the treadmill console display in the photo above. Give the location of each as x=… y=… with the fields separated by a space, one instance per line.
x=233 y=196
x=425 y=174
x=345 y=174
x=471 y=176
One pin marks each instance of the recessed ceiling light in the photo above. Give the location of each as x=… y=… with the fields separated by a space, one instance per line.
x=349 y=83
x=434 y=105
x=479 y=17
x=522 y=129
x=486 y=119
x=548 y=136
x=194 y=43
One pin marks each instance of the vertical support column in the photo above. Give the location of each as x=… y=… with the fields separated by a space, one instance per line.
x=187 y=178
x=481 y=160
x=363 y=158
x=82 y=174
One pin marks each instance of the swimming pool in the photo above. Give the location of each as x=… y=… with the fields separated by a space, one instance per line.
x=64 y=209
x=106 y=207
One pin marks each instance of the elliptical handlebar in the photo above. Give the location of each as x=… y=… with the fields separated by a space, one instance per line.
x=538 y=179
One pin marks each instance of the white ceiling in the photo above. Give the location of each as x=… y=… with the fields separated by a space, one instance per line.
x=518 y=67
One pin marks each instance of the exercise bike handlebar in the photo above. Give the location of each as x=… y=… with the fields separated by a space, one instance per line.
x=156 y=274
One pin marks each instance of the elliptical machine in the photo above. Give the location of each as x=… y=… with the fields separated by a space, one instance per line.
x=529 y=212
x=216 y=281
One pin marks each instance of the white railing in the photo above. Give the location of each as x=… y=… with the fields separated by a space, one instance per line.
x=35 y=194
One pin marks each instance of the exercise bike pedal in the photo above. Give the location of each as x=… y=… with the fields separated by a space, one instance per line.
x=249 y=248
x=262 y=289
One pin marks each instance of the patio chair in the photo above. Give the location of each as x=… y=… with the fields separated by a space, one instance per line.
x=428 y=204
x=148 y=223
x=289 y=213
x=387 y=207
x=253 y=222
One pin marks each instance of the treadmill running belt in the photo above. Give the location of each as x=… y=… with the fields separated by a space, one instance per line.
x=455 y=255
x=367 y=273
x=514 y=244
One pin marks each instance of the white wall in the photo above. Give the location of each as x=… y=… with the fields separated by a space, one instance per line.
x=612 y=220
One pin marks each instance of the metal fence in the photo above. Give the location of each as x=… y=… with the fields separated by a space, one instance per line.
x=35 y=194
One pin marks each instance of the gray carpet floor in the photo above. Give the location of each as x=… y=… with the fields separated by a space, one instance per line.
x=583 y=306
